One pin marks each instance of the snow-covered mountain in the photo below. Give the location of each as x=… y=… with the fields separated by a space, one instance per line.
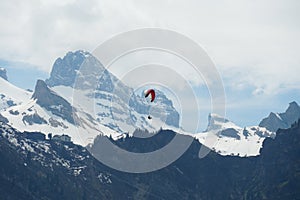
x=231 y=139
x=68 y=108
x=234 y=140
x=81 y=79
x=47 y=112
x=283 y=120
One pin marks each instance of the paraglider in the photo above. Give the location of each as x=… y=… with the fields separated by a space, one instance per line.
x=152 y=93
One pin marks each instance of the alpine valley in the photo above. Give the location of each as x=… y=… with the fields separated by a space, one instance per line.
x=257 y=162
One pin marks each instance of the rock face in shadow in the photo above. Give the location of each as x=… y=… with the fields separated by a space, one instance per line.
x=54 y=103
x=33 y=119
x=230 y=132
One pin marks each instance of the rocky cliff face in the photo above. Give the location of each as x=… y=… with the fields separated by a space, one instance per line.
x=283 y=120
x=64 y=70
x=54 y=103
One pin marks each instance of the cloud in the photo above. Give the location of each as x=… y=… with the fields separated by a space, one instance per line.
x=242 y=36
x=38 y=32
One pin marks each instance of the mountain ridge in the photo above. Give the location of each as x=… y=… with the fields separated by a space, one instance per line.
x=276 y=121
x=230 y=139
x=272 y=175
x=52 y=110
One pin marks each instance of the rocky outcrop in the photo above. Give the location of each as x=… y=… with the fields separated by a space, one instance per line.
x=54 y=103
x=283 y=120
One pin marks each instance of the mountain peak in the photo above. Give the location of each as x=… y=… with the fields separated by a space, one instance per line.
x=65 y=70
x=217 y=118
x=274 y=116
x=283 y=120
x=293 y=106
x=215 y=121
x=41 y=91
x=3 y=73
x=80 y=51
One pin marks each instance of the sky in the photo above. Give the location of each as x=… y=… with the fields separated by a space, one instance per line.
x=254 y=44
x=23 y=75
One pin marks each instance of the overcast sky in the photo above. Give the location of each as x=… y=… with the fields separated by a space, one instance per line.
x=254 y=44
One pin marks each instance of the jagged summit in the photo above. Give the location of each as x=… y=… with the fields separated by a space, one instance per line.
x=3 y=73
x=292 y=114
x=64 y=70
x=215 y=121
x=42 y=92
x=283 y=120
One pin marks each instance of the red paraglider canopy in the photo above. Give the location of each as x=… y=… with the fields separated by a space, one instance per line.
x=152 y=92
